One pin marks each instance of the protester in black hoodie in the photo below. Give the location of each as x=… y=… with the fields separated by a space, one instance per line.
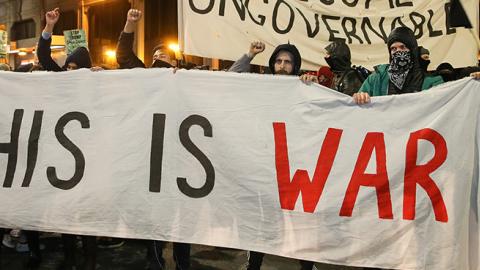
x=162 y=58
x=126 y=58
x=346 y=79
x=402 y=75
x=80 y=58
x=285 y=59
x=423 y=58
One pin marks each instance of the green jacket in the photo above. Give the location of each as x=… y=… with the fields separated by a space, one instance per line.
x=377 y=83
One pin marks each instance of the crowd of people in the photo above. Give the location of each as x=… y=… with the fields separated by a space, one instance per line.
x=406 y=72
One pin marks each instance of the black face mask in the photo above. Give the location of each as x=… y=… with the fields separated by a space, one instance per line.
x=447 y=75
x=337 y=64
x=424 y=64
x=160 y=64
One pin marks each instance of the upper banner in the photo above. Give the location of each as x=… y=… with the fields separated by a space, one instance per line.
x=312 y=24
x=253 y=162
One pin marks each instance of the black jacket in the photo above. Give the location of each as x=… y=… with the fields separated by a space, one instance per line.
x=346 y=79
x=79 y=56
x=126 y=58
x=414 y=80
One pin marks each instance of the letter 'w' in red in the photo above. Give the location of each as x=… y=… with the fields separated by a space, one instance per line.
x=311 y=189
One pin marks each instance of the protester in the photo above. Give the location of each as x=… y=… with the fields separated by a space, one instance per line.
x=162 y=57
x=80 y=58
x=324 y=76
x=424 y=58
x=402 y=75
x=346 y=79
x=449 y=73
x=285 y=60
x=126 y=58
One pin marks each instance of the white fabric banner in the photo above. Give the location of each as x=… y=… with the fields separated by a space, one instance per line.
x=225 y=28
x=253 y=162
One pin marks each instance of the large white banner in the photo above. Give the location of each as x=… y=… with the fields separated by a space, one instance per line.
x=253 y=162
x=224 y=28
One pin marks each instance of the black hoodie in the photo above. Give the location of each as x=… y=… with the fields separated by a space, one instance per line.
x=79 y=56
x=297 y=59
x=340 y=57
x=415 y=76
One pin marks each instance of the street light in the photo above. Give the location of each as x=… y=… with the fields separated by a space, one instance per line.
x=176 y=49
x=111 y=54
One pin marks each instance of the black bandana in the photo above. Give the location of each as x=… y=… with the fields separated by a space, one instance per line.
x=400 y=64
x=160 y=64
x=424 y=64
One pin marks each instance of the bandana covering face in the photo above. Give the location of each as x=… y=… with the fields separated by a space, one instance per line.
x=400 y=65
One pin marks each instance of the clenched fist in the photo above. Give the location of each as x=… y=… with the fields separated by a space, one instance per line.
x=256 y=47
x=51 y=17
x=134 y=15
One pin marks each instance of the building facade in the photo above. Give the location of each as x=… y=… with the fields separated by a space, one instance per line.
x=102 y=21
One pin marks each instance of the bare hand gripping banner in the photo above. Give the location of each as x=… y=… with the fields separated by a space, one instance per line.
x=245 y=161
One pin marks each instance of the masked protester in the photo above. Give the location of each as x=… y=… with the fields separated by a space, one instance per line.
x=449 y=73
x=80 y=57
x=402 y=75
x=162 y=58
x=423 y=58
x=285 y=60
x=346 y=79
x=126 y=58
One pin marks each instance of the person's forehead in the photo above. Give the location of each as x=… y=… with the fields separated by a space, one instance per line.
x=397 y=44
x=160 y=51
x=283 y=54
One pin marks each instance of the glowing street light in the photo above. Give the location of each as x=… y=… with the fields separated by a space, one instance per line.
x=111 y=54
x=176 y=49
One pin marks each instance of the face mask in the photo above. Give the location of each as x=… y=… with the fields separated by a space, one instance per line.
x=400 y=64
x=160 y=64
x=336 y=64
x=424 y=64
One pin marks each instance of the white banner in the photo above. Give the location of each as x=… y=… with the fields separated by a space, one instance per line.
x=312 y=24
x=253 y=162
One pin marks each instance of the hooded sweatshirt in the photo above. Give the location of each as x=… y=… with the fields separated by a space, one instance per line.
x=414 y=79
x=340 y=57
x=379 y=84
x=346 y=79
x=79 y=56
x=297 y=59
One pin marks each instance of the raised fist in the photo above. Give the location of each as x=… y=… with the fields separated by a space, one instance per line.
x=256 y=47
x=52 y=16
x=134 y=15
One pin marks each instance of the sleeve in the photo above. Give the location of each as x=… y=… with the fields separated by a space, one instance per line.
x=241 y=65
x=44 y=54
x=367 y=85
x=126 y=58
x=350 y=83
x=433 y=81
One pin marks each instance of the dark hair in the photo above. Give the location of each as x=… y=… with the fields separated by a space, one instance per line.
x=164 y=49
